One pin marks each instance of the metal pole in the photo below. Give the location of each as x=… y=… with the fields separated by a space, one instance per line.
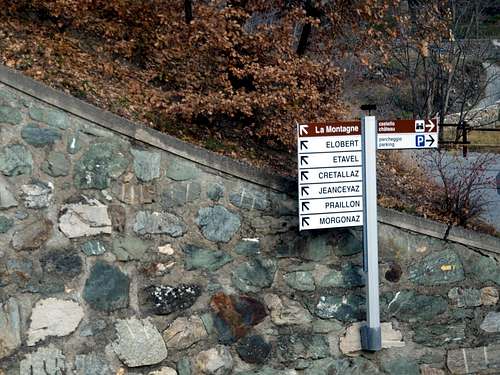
x=371 y=338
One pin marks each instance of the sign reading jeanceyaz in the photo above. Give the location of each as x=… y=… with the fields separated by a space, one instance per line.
x=330 y=176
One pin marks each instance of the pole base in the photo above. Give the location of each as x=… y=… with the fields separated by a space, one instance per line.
x=371 y=338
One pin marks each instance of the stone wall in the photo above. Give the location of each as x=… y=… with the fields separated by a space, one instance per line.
x=118 y=257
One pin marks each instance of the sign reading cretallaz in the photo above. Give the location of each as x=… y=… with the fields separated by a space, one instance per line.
x=402 y=134
x=330 y=176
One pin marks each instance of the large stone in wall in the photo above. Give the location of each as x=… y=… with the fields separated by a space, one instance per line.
x=491 y=322
x=442 y=267
x=62 y=263
x=146 y=164
x=79 y=220
x=465 y=297
x=5 y=224
x=254 y=349
x=437 y=335
x=53 y=317
x=106 y=288
x=56 y=164
x=101 y=162
x=91 y=364
x=350 y=276
x=139 y=343
x=10 y=115
x=7 y=197
x=133 y=193
x=486 y=269
x=217 y=223
x=200 y=258
x=167 y=299
x=45 y=361
x=178 y=194
x=214 y=361
x=148 y=222
x=32 y=235
x=300 y=280
x=302 y=346
x=344 y=307
x=180 y=170
x=37 y=194
x=254 y=274
x=10 y=327
x=38 y=136
x=480 y=360
x=249 y=199
x=49 y=116
x=15 y=160
x=184 y=332
x=409 y=306
x=129 y=248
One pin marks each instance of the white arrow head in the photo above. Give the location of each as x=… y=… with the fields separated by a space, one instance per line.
x=303 y=129
x=430 y=126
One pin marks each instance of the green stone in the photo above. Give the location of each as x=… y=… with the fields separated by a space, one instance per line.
x=349 y=242
x=254 y=275
x=178 y=194
x=56 y=165
x=439 y=335
x=346 y=308
x=15 y=160
x=5 y=224
x=106 y=288
x=317 y=249
x=443 y=267
x=93 y=247
x=184 y=366
x=325 y=366
x=349 y=276
x=182 y=170
x=9 y=115
x=38 y=136
x=215 y=191
x=486 y=269
x=401 y=366
x=248 y=247
x=327 y=326
x=208 y=321
x=297 y=346
x=249 y=199
x=50 y=117
x=409 y=306
x=129 y=248
x=300 y=280
x=217 y=223
x=211 y=260
x=146 y=165
x=465 y=297
x=98 y=164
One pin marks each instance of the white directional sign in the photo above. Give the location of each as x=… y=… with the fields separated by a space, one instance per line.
x=330 y=175
x=404 y=134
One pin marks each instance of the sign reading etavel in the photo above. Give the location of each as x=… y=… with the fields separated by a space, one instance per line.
x=330 y=175
x=404 y=134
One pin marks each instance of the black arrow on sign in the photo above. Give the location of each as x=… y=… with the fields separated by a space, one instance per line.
x=303 y=175
x=303 y=160
x=431 y=140
x=303 y=144
x=305 y=221
x=304 y=190
x=305 y=206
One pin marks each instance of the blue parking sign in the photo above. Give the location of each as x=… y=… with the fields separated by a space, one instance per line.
x=420 y=140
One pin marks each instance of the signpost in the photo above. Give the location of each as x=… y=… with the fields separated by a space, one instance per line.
x=338 y=186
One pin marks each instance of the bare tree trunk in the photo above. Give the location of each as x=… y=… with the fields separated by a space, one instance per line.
x=188 y=10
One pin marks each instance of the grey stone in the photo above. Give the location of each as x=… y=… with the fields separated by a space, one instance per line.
x=38 y=194
x=15 y=160
x=53 y=317
x=300 y=280
x=349 y=242
x=139 y=343
x=21 y=215
x=91 y=364
x=480 y=360
x=106 y=288
x=45 y=361
x=184 y=366
x=356 y=366
x=409 y=306
x=491 y=322
x=211 y=260
x=184 y=332
x=179 y=193
x=486 y=269
x=293 y=347
x=93 y=247
x=401 y=366
x=214 y=361
x=134 y=194
x=56 y=165
x=5 y=224
x=217 y=223
x=463 y=297
x=443 y=267
x=146 y=164
x=62 y=263
x=100 y=163
x=349 y=276
x=38 y=136
x=7 y=198
x=253 y=349
x=10 y=115
x=147 y=222
x=327 y=326
x=254 y=275
x=285 y=311
x=346 y=308
x=324 y=366
x=92 y=327
x=317 y=249
x=32 y=235
x=248 y=247
x=249 y=199
x=129 y=248
x=215 y=191
x=182 y=171
x=80 y=220
x=50 y=117
x=10 y=327
x=438 y=335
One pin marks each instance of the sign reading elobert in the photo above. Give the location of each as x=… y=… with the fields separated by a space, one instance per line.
x=330 y=176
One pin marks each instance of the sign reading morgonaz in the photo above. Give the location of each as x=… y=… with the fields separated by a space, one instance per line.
x=330 y=176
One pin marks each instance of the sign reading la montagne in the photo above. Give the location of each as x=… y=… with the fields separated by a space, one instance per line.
x=330 y=175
